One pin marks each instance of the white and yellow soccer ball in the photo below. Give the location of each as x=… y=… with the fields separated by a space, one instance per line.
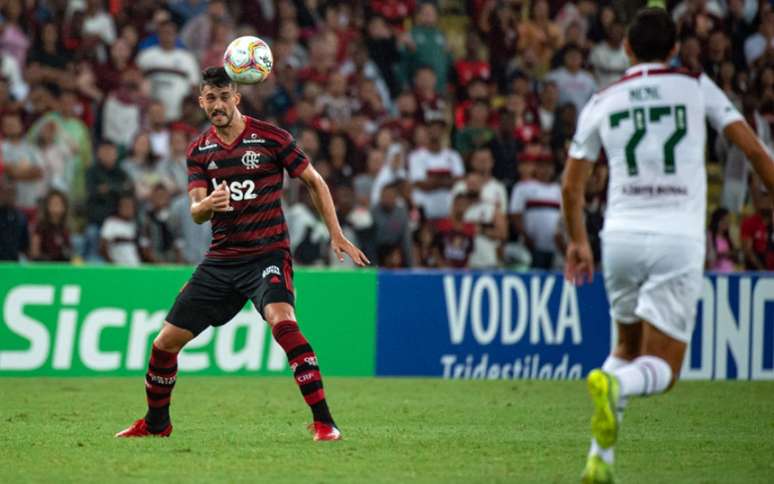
x=248 y=60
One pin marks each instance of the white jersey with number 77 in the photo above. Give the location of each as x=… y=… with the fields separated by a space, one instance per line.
x=652 y=126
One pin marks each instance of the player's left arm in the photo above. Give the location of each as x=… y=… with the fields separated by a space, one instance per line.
x=321 y=197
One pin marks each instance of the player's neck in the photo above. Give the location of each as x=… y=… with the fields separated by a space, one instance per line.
x=228 y=134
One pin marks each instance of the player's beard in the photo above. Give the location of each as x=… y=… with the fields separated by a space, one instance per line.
x=229 y=118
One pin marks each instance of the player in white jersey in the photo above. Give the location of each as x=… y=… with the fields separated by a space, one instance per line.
x=652 y=126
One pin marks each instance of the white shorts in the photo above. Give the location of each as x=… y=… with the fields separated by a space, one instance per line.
x=653 y=277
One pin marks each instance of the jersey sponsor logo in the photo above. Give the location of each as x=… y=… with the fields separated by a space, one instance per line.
x=212 y=165
x=206 y=147
x=271 y=270
x=251 y=159
x=254 y=139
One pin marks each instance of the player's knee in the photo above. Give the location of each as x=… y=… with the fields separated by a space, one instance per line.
x=278 y=312
x=171 y=339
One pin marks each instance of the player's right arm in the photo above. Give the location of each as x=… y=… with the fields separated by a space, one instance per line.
x=204 y=206
x=724 y=117
x=741 y=134
x=584 y=150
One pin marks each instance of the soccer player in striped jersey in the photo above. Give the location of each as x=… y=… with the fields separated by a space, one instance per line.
x=235 y=174
x=651 y=124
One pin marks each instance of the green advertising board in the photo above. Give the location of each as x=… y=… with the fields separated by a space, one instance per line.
x=69 y=320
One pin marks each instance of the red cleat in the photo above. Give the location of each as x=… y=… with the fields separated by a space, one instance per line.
x=323 y=431
x=140 y=429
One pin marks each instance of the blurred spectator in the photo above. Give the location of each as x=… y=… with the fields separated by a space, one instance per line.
x=47 y=60
x=50 y=238
x=364 y=182
x=575 y=84
x=157 y=240
x=142 y=167
x=72 y=131
x=383 y=50
x=98 y=27
x=122 y=110
x=199 y=31
x=391 y=225
x=563 y=129
x=119 y=234
x=339 y=157
x=427 y=252
x=549 y=103
x=760 y=44
x=110 y=74
x=14 y=231
x=609 y=58
x=540 y=34
x=308 y=235
x=433 y=171
x=173 y=169
x=13 y=37
x=23 y=164
x=757 y=233
x=486 y=211
x=499 y=25
x=192 y=240
x=334 y=105
x=394 y=12
x=505 y=148
x=185 y=10
x=455 y=236
x=427 y=46
x=56 y=157
x=393 y=170
x=158 y=130
x=535 y=210
x=105 y=182
x=172 y=71
x=721 y=253
x=474 y=64
x=429 y=100
x=476 y=132
x=10 y=70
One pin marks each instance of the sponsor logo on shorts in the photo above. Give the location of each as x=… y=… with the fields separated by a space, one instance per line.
x=271 y=270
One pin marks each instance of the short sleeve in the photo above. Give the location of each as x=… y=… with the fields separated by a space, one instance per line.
x=291 y=156
x=458 y=167
x=587 y=142
x=720 y=111
x=517 y=200
x=417 y=171
x=197 y=176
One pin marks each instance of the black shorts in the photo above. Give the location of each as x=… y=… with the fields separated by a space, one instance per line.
x=219 y=289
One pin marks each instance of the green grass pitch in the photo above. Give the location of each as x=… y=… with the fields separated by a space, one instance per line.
x=243 y=429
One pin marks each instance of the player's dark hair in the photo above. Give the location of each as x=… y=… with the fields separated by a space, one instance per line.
x=215 y=77
x=652 y=35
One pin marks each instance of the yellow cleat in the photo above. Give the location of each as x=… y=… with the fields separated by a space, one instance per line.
x=597 y=471
x=603 y=389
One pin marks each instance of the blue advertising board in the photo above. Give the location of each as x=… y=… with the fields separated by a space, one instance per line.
x=500 y=325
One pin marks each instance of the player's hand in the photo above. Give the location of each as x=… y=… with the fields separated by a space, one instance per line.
x=220 y=198
x=579 y=263
x=341 y=246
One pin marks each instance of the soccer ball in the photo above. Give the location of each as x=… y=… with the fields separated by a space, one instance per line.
x=248 y=60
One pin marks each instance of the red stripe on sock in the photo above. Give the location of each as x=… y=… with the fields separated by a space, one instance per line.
x=315 y=397
x=157 y=388
x=162 y=359
x=288 y=335
x=159 y=403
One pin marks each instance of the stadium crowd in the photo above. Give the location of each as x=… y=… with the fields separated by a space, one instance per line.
x=441 y=127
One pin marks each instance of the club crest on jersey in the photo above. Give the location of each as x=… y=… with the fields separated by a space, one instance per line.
x=251 y=159
x=270 y=270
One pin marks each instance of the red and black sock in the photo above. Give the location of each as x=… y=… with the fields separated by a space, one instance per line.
x=159 y=382
x=303 y=363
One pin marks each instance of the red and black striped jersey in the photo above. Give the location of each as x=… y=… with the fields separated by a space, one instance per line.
x=252 y=167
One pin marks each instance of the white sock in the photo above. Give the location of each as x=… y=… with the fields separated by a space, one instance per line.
x=646 y=375
x=611 y=364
